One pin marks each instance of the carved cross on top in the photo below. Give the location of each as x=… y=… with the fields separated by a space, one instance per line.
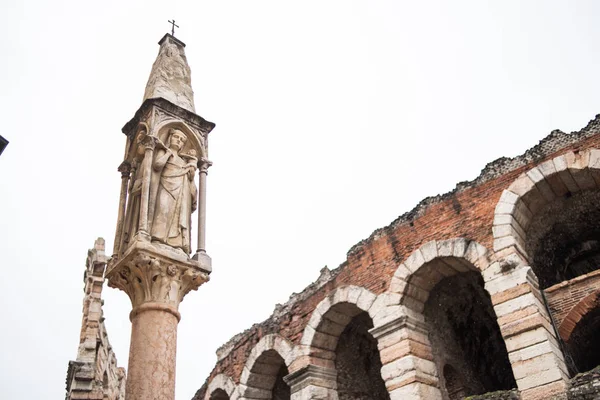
x=173 y=26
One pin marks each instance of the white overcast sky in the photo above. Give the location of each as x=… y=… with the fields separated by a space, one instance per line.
x=333 y=118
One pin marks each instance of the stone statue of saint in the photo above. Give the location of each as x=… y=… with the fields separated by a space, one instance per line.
x=173 y=193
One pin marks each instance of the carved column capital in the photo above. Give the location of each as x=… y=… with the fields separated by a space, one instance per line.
x=124 y=169
x=148 y=278
x=204 y=165
x=148 y=142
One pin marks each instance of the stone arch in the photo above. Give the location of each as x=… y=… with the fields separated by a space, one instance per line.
x=337 y=340
x=456 y=255
x=265 y=367
x=544 y=205
x=581 y=309
x=442 y=284
x=560 y=177
x=322 y=333
x=579 y=331
x=223 y=383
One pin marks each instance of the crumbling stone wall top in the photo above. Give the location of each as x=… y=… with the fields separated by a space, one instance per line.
x=94 y=374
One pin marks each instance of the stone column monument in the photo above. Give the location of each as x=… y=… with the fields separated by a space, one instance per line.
x=167 y=147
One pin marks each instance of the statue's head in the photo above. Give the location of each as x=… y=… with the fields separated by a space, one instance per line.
x=176 y=139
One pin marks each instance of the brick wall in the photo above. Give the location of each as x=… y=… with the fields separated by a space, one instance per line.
x=466 y=212
x=564 y=296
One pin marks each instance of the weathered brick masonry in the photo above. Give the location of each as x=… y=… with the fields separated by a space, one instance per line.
x=387 y=279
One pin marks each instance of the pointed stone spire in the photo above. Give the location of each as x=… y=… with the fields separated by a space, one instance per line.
x=171 y=75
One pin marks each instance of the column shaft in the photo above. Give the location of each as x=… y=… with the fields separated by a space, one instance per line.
x=151 y=374
x=146 y=171
x=202 y=172
x=124 y=169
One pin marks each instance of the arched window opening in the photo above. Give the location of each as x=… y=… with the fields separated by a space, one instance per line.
x=267 y=376
x=358 y=363
x=454 y=383
x=583 y=344
x=563 y=240
x=464 y=332
x=219 y=394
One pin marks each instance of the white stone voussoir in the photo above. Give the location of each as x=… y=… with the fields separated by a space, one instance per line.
x=223 y=382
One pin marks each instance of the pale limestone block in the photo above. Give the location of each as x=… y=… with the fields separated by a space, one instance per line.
x=493 y=271
x=340 y=295
x=533 y=351
x=322 y=307
x=416 y=391
x=312 y=392
x=245 y=375
x=578 y=161
x=503 y=219
x=403 y=272
x=223 y=382
x=400 y=335
x=502 y=282
x=308 y=335
x=504 y=208
x=505 y=230
x=523 y=184
x=445 y=248
x=504 y=242
x=534 y=365
x=315 y=320
x=535 y=175
x=526 y=339
x=477 y=255
x=365 y=300
x=594 y=160
x=397 y=285
x=547 y=168
x=387 y=314
x=460 y=247
x=515 y=304
x=539 y=379
x=382 y=301
x=509 y=197
x=415 y=261
x=404 y=365
x=354 y=293
x=429 y=251
x=560 y=163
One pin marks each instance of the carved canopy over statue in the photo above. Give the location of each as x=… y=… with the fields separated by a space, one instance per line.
x=161 y=194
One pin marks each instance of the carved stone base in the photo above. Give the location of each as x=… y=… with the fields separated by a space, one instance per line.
x=156 y=273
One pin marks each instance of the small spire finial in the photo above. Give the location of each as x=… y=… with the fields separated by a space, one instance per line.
x=173 y=25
